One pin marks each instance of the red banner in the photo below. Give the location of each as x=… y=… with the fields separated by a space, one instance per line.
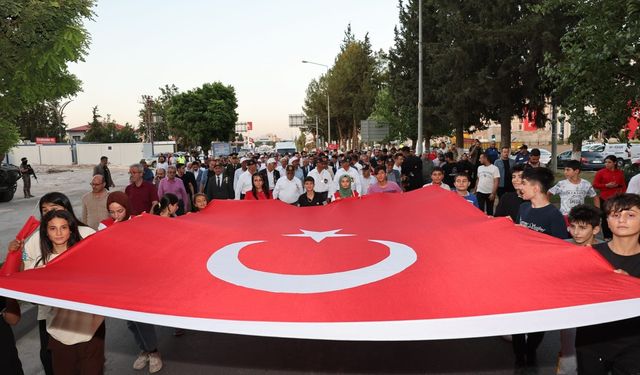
x=249 y=125
x=45 y=140
x=328 y=273
x=529 y=120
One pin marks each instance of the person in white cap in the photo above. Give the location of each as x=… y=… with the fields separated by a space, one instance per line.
x=295 y=161
x=245 y=180
x=239 y=171
x=270 y=175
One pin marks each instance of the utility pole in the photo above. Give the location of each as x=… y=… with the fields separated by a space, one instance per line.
x=420 y=104
x=148 y=119
x=554 y=136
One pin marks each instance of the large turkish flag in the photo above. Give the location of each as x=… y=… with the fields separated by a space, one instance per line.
x=420 y=265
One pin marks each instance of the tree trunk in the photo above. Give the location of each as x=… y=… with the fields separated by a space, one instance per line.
x=427 y=137
x=460 y=135
x=354 y=144
x=505 y=130
x=576 y=150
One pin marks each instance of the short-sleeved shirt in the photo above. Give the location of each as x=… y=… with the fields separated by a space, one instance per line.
x=547 y=220
x=609 y=339
x=471 y=198
x=572 y=194
x=141 y=197
x=390 y=187
x=486 y=176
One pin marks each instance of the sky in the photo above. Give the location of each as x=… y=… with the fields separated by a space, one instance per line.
x=255 y=46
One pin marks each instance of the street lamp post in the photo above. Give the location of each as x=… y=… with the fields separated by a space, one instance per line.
x=420 y=104
x=328 y=102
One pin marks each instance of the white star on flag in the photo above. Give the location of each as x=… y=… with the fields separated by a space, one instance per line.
x=319 y=236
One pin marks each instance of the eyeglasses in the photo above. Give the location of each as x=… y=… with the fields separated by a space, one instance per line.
x=92 y=184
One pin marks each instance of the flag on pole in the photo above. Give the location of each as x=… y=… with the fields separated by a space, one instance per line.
x=413 y=266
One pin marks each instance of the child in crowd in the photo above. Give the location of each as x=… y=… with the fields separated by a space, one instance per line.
x=200 y=202
x=462 y=183
x=509 y=203
x=584 y=225
x=437 y=175
x=540 y=215
x=615 y=346
x=573 y=190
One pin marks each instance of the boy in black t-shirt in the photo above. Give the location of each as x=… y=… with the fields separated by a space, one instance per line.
x=615 y=346
x=584 y=225
x=540 y=215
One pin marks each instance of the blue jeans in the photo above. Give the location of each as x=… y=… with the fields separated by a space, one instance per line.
x=145 y=336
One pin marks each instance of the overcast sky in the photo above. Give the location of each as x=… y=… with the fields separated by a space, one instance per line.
x=255 y=46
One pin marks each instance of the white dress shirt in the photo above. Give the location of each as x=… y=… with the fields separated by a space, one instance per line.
x=270 y=179
x=236 y=176
x=287 y=190
x=244 y=184
x=320 y=177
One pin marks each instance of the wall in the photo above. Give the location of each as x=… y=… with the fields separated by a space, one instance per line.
x=87 y=153
x=58 y=154
x=118 y=153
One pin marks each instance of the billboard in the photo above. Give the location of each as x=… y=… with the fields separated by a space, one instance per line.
x=373 y=131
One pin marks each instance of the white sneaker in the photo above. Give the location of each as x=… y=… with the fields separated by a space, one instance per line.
x=155 y=362
x=141 y=361
x=567 y=365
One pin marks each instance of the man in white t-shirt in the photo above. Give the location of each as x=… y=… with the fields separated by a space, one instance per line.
x=487 y=182
x=574 y=189
x=322 y=177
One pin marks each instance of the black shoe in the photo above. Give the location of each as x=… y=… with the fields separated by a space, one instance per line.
x=532 y=360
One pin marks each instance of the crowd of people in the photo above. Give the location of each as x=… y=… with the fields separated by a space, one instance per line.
x=73 y=342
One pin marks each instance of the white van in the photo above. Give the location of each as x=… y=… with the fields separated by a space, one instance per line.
x=621 y=151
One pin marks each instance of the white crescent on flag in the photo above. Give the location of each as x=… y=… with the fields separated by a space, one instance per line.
x=414 y=266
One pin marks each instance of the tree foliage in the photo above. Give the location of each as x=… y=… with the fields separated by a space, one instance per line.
x=42 y=120
x=38 y=38
x=353 y=82
x=598 y=71
x=202 y=115
x=160 y=108
x=108 y=131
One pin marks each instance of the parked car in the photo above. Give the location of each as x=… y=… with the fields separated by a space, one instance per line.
x=590 y=160
x=9 y=176
x=545 y=155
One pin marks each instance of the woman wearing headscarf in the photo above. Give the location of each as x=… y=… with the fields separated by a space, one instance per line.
x=345 y=190
x=118 y=208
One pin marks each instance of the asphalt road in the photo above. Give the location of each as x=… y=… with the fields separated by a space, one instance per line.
x=198 y=353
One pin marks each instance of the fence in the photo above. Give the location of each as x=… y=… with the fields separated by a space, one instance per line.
x=86 y=153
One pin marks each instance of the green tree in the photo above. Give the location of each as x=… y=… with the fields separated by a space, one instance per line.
x=127 y=134
x=597 y=73
x=9 y=136
x=97 y=131
x=202 y=115
x=402 y=78
x=38 y=38
x=353 y=83
x=160 y=108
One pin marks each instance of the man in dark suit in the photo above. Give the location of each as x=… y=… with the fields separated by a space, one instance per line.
x=270 y=174
x=412 y=168
x=219 y=186
x=230 y=169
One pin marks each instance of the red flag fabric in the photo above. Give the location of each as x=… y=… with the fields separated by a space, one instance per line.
x=419 y=265
x=14 y=258
x=529 y=120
